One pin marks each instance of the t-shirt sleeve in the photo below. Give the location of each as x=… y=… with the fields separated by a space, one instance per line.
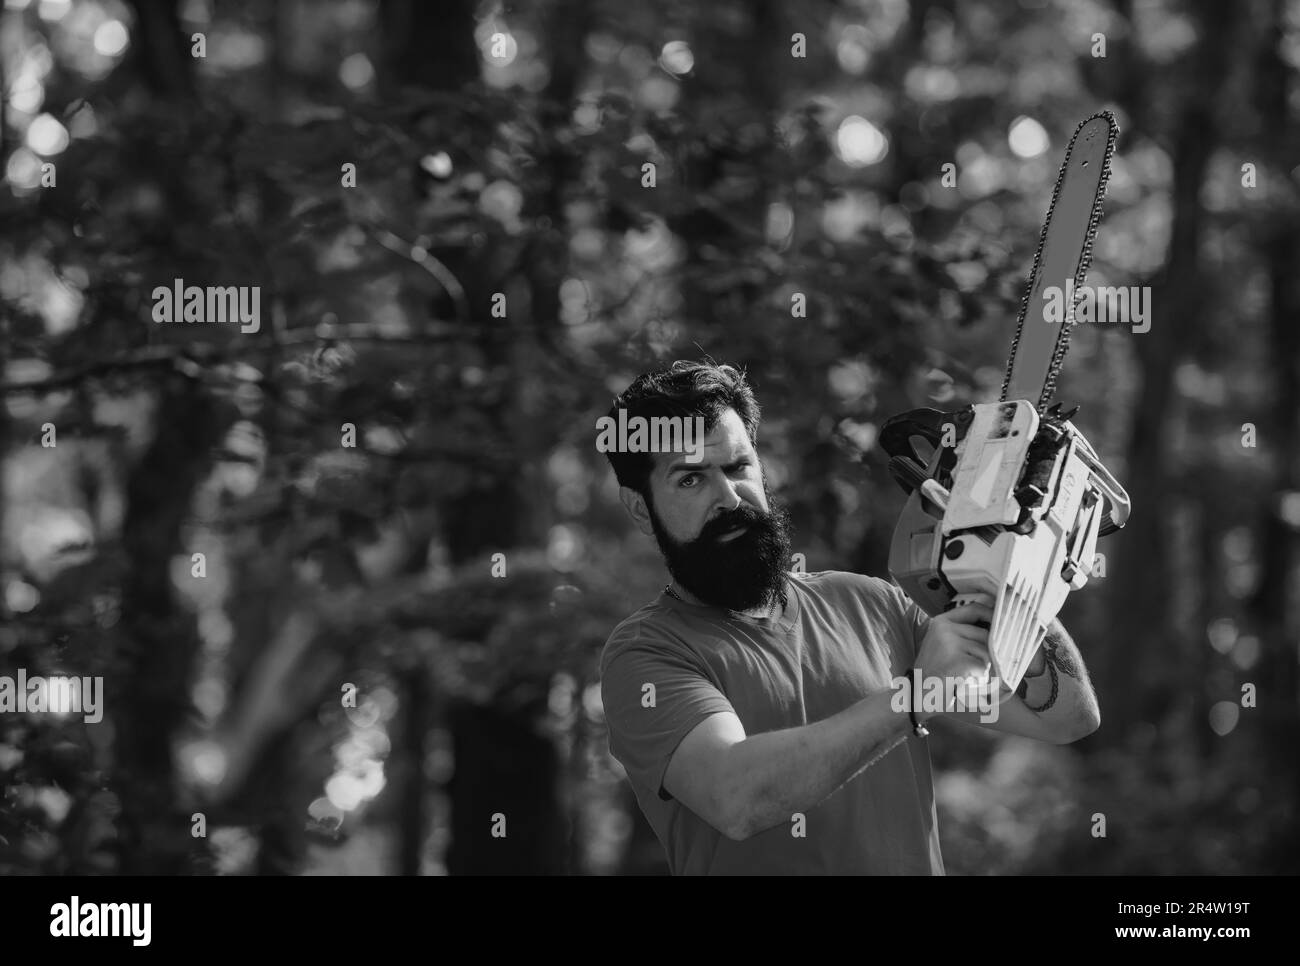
x=646 y=724
x=911 y=615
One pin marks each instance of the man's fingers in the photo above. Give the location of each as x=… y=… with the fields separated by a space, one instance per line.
x=970 y=613
x=972 y=633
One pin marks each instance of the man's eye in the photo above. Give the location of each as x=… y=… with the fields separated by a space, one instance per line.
x=688 y=476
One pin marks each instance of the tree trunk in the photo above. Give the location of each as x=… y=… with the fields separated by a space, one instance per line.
x=157 y=642
x=149 y=697
x=430 y=45
x=506 y=817
x=1142 y=668
x=501 y=764
x=417 y=717
x=162 y=51
x=1273 y=607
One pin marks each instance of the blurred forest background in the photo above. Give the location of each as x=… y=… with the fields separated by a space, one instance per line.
x=499 y=150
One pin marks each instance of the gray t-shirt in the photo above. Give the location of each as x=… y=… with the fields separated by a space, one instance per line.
x=840 y=637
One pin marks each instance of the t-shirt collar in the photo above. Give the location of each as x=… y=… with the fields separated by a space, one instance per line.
x=789 y=614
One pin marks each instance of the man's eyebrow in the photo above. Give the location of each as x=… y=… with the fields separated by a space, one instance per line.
x=682 y=464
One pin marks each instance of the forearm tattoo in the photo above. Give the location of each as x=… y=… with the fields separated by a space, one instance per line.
x=1054 y=658
x=1051 y=668
x=1058 y=652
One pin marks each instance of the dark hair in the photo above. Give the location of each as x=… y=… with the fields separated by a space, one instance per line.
x=686 y=389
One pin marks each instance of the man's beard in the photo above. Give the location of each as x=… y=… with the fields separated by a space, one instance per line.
x=743 y=573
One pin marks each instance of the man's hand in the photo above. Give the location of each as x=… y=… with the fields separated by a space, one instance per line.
x=955 y=647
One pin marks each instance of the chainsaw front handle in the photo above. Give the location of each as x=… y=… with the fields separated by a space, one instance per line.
x=1117 y=515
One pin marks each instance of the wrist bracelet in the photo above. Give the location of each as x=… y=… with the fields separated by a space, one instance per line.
x=918 y=729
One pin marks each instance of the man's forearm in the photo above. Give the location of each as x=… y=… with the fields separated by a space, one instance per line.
x=1073 y=711
x=768 y=777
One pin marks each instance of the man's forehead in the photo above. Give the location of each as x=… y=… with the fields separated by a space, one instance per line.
x=727 y=430
x=724 y=443
x=720 y=445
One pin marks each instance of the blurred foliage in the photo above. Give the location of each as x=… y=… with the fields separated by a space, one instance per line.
x=462 y=564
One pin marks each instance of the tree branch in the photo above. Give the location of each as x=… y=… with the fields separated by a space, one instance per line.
x=189 y=358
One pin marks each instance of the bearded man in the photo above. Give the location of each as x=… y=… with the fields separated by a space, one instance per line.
x=754 y=709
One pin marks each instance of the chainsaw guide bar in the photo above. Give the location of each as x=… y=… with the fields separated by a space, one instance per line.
x=1011 y=498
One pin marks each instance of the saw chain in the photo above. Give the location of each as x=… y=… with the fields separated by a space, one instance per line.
x=1011 y=498
x=1064 y=252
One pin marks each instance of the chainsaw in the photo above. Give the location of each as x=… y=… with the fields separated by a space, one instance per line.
x=1011 y=498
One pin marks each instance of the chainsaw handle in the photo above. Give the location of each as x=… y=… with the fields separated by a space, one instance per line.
x=897 y=432
x=1117 y=512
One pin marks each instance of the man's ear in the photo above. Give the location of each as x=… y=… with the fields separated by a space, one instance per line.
x=636 y=508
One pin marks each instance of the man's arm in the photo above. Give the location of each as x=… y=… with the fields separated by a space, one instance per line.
x=1072 y=715
x=743 y=784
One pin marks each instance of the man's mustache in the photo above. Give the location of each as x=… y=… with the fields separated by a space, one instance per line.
x=740 y=518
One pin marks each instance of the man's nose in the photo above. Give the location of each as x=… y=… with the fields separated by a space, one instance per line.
x=729 y=498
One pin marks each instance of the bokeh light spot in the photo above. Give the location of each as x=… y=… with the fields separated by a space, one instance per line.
x=1027 y=138
x=1223 y=717
x=111 y=38
x=860 y=143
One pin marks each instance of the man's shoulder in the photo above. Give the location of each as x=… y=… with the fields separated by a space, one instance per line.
x=642 y=628
x=881 y=603
x=877 y=595
x=844 y=581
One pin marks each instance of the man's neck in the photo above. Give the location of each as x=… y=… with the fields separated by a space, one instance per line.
x=772 y=610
